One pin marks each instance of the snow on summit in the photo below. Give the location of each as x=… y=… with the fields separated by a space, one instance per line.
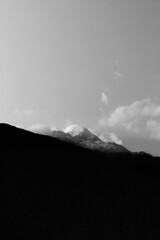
x=74 y=129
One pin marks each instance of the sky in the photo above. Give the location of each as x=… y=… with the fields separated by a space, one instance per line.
x=90 y=62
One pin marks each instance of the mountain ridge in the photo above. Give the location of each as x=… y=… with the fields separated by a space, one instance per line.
x=52 y=189
x=89 y=140
x=86 y=138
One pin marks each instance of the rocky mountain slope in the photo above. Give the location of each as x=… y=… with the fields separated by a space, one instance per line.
x=84 y=137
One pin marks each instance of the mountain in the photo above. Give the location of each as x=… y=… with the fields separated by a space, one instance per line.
x=83 y=137
x=53 y=189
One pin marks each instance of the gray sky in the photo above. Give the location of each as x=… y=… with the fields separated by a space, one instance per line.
x=91 y=62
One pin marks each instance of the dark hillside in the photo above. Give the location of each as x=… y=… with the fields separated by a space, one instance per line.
x=51 y=189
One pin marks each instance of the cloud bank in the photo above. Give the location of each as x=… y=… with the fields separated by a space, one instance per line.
x=140 y=117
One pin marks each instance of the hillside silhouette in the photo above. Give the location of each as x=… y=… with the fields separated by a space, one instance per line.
x=52 y=189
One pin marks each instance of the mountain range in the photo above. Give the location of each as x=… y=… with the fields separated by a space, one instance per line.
x=83 y=137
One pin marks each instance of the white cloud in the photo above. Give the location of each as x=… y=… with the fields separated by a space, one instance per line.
x=104 y=98
x=110 y=137
x=41 y=128
x=152 y=110
x=73 y=129
x=19 y=126
x=154 y=128
x=134 y=118
x=103 y=138
x=128 y=116
x=92 y=131
x=115 y=139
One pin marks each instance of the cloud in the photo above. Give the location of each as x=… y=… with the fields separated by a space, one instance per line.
x=105 y=136
x=74 y=129
x=104 y=98
x=41 y=128
x=113 y=137
x=25 y=113
x=29 y=112
x=152 y=110
x=154 y=128
x=68 y=123
x=110 y=137
x=19 y=126
x=138 y=117
x=117 y=75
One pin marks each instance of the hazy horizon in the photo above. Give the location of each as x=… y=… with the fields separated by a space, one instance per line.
x=95 y=63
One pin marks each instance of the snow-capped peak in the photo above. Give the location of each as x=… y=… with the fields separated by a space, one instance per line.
x=74 y=129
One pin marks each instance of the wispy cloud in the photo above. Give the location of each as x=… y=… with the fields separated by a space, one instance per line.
x=16 y=112
x=25 y=113
x=114 y=138
x=110 y=137
x=19 y=126
x=116 y=73
x=30 y=112
x=68 y=123
x=104 y=98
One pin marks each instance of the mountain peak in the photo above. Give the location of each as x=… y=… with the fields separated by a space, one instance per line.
x=81 y=133
x=87 y=135
x=74 y=129
x=84 y=137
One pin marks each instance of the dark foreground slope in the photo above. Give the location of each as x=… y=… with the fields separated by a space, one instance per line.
x=54 y=190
